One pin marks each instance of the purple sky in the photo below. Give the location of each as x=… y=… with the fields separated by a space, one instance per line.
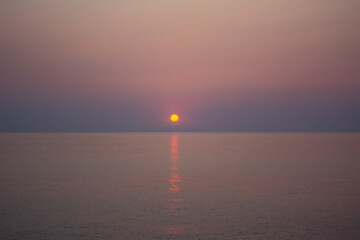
x=116 y=65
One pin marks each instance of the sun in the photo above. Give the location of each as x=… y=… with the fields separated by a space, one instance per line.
x=174 y=118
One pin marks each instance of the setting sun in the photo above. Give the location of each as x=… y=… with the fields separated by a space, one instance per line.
x=174 y=118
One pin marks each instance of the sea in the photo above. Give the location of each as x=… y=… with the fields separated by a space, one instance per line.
x=129 y=186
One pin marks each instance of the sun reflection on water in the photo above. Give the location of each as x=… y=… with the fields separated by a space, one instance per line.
x=175 y=177
x=175 y=203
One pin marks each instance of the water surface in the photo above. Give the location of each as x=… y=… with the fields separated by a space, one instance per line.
x=179 y=186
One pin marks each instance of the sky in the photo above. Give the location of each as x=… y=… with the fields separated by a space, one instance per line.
x=221 y=65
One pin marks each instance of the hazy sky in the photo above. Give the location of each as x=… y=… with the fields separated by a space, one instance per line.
x=224 y=65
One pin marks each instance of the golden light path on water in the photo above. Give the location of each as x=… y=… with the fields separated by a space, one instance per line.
x=175 y=203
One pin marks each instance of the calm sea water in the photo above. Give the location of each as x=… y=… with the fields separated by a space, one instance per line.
x=180 y=186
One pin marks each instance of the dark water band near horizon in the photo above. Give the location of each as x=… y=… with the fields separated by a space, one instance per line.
x=179 y=186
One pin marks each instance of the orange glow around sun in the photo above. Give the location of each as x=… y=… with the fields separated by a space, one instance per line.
x=174 y=118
